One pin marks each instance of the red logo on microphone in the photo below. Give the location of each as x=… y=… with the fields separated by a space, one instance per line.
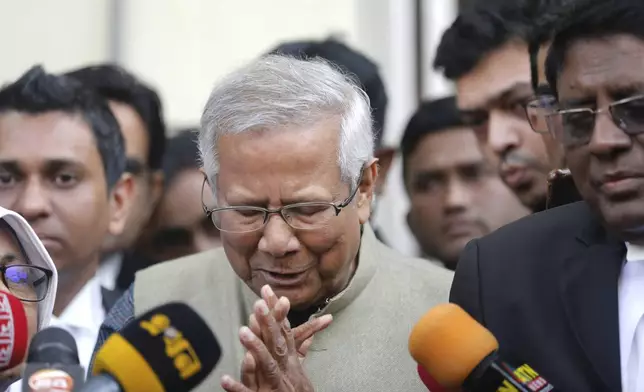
x=50 y=380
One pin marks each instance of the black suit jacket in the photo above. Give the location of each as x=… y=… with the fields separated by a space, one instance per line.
x=546 y=287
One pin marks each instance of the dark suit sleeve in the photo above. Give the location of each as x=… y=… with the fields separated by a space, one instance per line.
x=121 y=313
x=466 y=287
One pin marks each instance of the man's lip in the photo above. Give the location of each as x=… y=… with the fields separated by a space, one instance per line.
x=514 y=176
x=285 y=279
x=285 y=272
x=460 y=227
x=618 y=176
x=617 y=183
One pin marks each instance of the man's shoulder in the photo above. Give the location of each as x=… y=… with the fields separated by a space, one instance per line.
x=412 y=272
x=214 y=258
x=210 y=268
x=560 y=223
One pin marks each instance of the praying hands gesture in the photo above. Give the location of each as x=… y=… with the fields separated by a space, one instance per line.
x=273 y=362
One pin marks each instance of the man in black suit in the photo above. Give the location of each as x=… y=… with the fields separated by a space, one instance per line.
x=570 y=300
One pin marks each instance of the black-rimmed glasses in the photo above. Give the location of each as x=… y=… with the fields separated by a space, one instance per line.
x=574 y=127
x=28 y=283
x=300 y=216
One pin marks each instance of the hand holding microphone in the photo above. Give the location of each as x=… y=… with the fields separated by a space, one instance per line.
x=275 y=352
x=457 y=352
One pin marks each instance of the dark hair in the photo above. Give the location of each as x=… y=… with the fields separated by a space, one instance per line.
x=116 y=84
x=547 y=16
x=430 y=117
x=475 y=33
x=597 y=18
x=38 y=92
x=182 y=154
x=353 y=62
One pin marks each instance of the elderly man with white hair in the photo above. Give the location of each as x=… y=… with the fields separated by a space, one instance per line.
x=288 y=151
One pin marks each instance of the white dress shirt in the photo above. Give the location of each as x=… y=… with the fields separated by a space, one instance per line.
x=631 y=320
x=82 y=318
x=109 y=269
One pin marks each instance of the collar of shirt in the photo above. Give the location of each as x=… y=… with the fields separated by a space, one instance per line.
x=108 y=270
x=82 y=318
x=631 y=312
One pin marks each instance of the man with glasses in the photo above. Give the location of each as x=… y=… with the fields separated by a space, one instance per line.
x=485 y=53
x=62 y=159
x=138 y=111
x=27 y=272
x=288 y=151
x=570 y=303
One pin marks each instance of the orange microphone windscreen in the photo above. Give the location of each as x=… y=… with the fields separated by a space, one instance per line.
x=449 y=344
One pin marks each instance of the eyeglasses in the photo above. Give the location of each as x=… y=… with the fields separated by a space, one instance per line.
x=28 y=283
x=537 y=111
x=300 y=216
x=574 y=127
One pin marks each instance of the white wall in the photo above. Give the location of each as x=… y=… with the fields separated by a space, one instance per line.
x=183 y=46
x=60 y=33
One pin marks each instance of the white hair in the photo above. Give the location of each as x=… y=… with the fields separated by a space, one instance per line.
x=279 y=92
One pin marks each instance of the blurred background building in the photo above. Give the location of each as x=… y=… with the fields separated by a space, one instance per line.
x=183 y=46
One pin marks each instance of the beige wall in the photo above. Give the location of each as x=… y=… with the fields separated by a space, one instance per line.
x=183 y=46
x=59 y=33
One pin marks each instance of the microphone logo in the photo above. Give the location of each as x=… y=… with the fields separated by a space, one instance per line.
x=50 y=380
x=178 y=348
x=6 y=331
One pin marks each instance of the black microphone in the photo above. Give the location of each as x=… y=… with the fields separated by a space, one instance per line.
x=458 y=352
x=170 y=348
x=52 y=363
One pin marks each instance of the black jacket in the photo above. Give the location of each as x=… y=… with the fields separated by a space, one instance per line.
x=546 y=287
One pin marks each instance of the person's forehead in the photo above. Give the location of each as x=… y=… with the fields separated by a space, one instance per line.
x=446 y=149
x=495 y=74
x=133 y=129
x=8 y=242
x=51 y=135
x=611 y=62
x=280 y=150
x=180 y=206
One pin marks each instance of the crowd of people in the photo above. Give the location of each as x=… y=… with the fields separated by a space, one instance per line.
x=526 y=193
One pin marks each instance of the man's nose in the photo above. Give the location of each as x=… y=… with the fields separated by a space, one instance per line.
x=607 y=139
x=33 y=202
x=457 y=195
x=502 y=133
x=278 y=238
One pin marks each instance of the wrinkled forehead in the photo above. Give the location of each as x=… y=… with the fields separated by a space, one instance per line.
x=279 y=161
x=10 y=242
x=612 y=64
x=495 y=74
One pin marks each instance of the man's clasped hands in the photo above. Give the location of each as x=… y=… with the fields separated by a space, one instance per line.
x=273 y=361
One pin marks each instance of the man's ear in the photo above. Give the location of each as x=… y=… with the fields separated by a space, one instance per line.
x=157 y=181
x=366 y=190
x=385 y=157
x=121 y=201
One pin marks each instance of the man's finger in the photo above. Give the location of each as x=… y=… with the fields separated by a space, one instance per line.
x=265 y=362
x=230 y=385
x=249 y=372
x=269 y=296
x=271 y=332
x=253 y=324
x=304 y=347
x=310 y=328
x=281 y=309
